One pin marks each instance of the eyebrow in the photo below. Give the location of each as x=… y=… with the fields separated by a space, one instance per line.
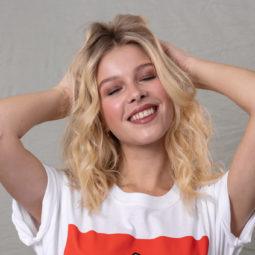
x=116 y=77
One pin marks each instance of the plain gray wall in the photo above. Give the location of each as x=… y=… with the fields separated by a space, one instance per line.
x=39 y=38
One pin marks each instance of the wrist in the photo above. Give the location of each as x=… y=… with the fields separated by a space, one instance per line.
x=193 y=68
x=65 y=101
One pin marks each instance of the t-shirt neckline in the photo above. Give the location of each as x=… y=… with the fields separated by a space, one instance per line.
x=143 y=199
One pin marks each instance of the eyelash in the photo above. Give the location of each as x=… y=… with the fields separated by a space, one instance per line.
x=146 y=78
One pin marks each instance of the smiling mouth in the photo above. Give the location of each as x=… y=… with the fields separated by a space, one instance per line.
x=144 y=116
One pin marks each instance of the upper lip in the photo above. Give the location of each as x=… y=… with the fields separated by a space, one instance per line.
x=140 y=109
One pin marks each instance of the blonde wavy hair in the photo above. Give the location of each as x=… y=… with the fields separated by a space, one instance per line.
x=91 y=156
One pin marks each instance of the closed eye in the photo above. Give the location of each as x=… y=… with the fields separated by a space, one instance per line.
x=113 y=91
x=147 y=78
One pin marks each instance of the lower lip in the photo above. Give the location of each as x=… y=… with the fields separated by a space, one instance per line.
x=145 y=119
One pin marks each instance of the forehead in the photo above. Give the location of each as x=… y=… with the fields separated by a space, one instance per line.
x=121 y=60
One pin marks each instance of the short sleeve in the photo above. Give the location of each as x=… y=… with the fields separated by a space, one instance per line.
x=224 y=216
x=22 y=220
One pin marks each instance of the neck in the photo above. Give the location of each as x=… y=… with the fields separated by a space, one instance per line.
x=145 y=168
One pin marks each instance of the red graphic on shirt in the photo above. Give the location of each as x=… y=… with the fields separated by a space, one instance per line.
x=93 y=243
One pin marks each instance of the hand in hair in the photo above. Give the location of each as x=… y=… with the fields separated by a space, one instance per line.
x=183 y=59
x=179 y=56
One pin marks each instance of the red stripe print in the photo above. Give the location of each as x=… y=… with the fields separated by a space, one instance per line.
x=93 y=243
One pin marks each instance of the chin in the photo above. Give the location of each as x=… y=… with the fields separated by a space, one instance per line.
x=146 y=140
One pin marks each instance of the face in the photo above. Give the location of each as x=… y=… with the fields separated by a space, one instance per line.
x=134 y=104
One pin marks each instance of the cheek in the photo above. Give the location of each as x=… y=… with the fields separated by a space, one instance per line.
x=160 y=92
x=111 y=113
x=168 y=103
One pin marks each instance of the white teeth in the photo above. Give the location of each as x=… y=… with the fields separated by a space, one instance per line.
x=143 y=114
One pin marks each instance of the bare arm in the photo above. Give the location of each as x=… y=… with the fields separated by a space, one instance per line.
x=238 y=84
x=21 y=173
x=234 y=82
x=18 y=114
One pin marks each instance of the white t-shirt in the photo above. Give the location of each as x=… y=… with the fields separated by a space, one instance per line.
x=130 y=223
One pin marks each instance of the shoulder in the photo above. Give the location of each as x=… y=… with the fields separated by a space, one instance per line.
x=215 y=193
x=55 y=174
x=215 y=186
x=58 y=184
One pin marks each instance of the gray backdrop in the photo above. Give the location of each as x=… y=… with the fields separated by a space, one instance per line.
x=38 y=40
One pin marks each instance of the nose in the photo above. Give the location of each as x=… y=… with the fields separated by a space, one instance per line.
x=137 y=94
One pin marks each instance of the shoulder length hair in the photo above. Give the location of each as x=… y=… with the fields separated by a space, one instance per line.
x=91 y=156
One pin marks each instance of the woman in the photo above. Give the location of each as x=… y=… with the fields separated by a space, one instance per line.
x=137 y=175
